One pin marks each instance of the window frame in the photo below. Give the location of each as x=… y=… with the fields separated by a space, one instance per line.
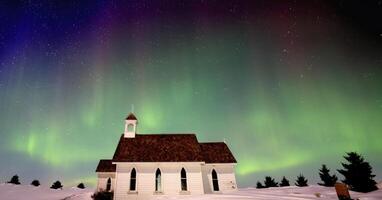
x=183 y=180
x=215 y=181
x=133 y=180
x=158 y=180
x=108 y=184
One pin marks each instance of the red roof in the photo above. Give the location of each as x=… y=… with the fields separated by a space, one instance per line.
x=167 y=148
x=158 y=148
x=131 y=116
x=216 y=152
x=105 y=166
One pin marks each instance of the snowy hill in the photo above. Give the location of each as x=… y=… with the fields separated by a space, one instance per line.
x=21 y=192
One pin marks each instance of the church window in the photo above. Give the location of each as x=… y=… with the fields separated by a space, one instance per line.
x=130 y=128
x=183 y=179
x=133 y=180
x=158 y=180
x=215 y=182
x=108 y=184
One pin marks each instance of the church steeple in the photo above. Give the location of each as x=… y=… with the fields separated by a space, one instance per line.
x=130 y=126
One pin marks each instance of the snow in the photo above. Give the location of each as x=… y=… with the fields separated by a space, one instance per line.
x=21 y=192
x=379 y=185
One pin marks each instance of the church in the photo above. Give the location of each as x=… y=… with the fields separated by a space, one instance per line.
x=165 y=164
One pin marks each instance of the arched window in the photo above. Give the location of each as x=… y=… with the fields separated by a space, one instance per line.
x=133 y=180
x=130 y=128
x=108 y=184
x=183 y=179
x=215 y=182
x=158 y=181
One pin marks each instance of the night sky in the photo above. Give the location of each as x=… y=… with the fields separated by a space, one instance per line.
x=289 y=85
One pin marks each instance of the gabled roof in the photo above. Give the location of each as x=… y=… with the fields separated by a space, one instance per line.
x=166 y=148
x=159 y=148
x=131 y=116
x=106 y=166
x=217 y=152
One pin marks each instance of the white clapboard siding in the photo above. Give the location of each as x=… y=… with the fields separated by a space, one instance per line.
x=226 y=177
x=102 y=180
x=170 y=173
x=122 y=185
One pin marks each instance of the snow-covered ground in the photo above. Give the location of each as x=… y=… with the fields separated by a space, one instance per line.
x=21 y=192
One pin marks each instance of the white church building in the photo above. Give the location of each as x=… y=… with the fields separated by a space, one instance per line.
x=165 y=164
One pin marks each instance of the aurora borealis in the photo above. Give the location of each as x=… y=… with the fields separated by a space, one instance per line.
x=290 y=85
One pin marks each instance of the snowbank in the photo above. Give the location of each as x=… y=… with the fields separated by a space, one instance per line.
x=22 y=192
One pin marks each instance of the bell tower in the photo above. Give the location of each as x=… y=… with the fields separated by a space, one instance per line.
x=130 y=126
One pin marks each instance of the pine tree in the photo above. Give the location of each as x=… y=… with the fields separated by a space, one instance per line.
x=35 y=183
x=81 y=186
x=259 y=185
x=15 y=180
x=270 y=182
x=327 y=179
x=103 y=195
x=56 y=185
x=301 y=181
x=284 y=182
x=358 y=173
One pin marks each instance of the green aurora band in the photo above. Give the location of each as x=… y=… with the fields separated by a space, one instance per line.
x=282 y=109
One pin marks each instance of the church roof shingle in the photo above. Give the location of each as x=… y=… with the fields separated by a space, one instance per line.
x=216 y=152
x=167 y=148
x=106 y=166
x=158 y=148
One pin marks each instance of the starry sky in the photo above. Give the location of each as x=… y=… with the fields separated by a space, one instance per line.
x=289 y=85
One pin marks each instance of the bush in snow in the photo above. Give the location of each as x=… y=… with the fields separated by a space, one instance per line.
x=56 y=185
x=358 y=173
x=259 y=185
x=270 y=182
x=327 y=179
x=103 y=195
x=15 y=180
x=35 y=183
x=284 y=182
x=301 y=181
x=81 y=186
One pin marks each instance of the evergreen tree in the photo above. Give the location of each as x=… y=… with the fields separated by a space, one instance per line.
x=358 y=173
x=284 y=182
x=81 y=186
x=326 y=178
x=259 y=185
x=301 y=181
x=15 y=180
x=103 y=195
x=270 y=182
x=56 y=185
x=35 y=183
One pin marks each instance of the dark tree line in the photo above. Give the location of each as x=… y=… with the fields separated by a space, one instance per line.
x=270 y=182
x=56 y=185
x=357 y=175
